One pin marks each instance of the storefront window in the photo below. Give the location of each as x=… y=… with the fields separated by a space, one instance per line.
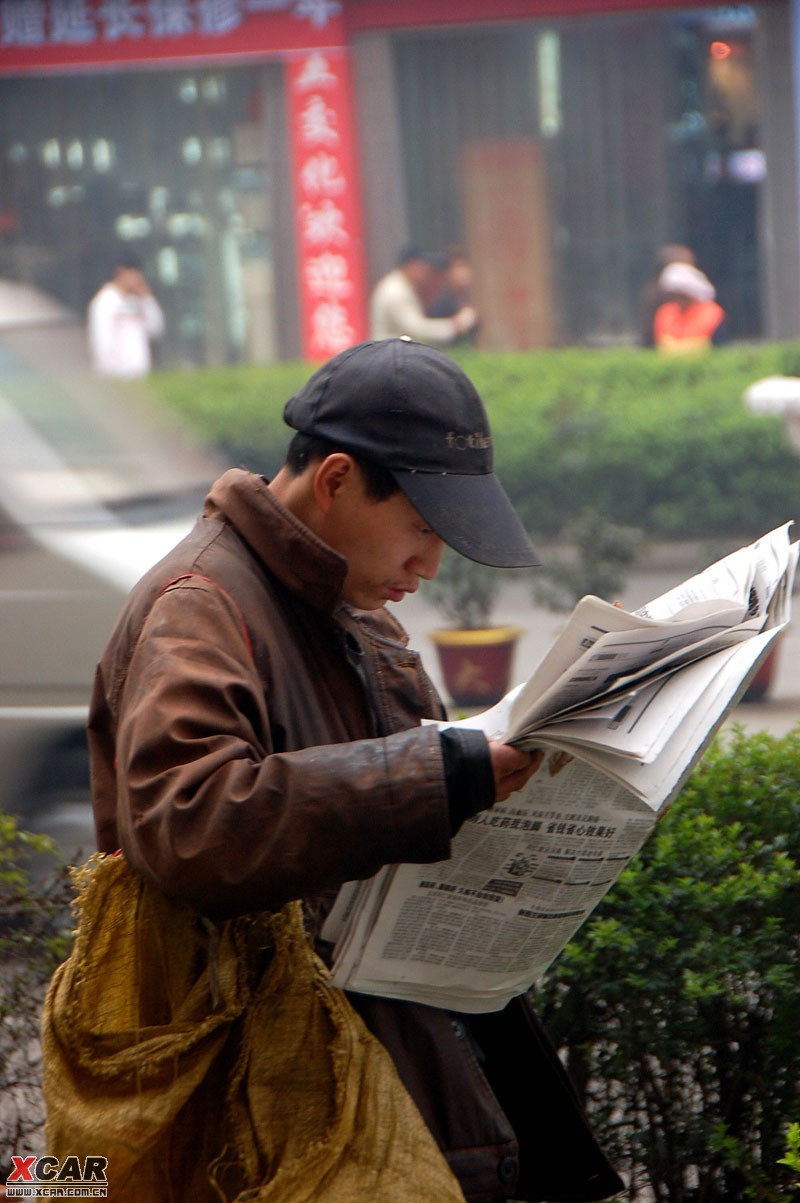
x=170 y=165
x=565 y=152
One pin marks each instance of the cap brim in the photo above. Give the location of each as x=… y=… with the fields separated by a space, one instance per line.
x=472 y=514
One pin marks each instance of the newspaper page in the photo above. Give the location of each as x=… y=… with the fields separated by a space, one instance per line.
x=471 y=932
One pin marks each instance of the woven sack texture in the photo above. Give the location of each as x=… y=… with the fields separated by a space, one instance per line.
x=214 y=1062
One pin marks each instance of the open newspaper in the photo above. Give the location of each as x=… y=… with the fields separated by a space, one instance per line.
x=623 y=705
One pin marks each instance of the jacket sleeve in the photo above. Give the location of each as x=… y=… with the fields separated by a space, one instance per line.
x=153 y=316
x=436 y=330
x=100 y=331
x=213 y=813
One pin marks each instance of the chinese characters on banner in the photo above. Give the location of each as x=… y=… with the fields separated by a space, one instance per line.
x=328 y=214
x=40 y=34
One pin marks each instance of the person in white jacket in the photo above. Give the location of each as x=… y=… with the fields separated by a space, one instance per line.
x=123 y=318
x=398 y=303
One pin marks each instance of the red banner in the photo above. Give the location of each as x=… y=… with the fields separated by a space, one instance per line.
x=328 y=211
x=37 y=35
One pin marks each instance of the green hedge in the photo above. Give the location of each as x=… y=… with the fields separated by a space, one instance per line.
x=676 y=1005
x=664 y=445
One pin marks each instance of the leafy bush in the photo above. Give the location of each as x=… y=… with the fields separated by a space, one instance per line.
x=595 y=560
x=646 y=441
x=649 y=442
x=677 y=1003
x=238 y=409
x=34 y=938
x=792 y=1158
x=465 y=592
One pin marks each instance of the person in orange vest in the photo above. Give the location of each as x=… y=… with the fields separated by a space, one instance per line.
x=651 y=297
x=689 y=321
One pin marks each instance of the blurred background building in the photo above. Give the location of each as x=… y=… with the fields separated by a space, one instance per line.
x=266 y=159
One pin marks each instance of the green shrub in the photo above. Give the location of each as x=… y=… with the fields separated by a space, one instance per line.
x=594 y=558
x=465 y=592
x=238 y=410
x=35 y=935
x=677 y=1003
x=663 y=445
x=792 y=1157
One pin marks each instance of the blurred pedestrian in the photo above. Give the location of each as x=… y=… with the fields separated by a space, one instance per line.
x=456 y=292
x=689 y=321
x=123 y=318
x=651 y=295
x=400 y=300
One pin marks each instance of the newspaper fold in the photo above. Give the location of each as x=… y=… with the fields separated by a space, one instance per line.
x=623 y=705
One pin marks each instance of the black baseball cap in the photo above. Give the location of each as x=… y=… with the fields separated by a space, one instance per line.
x=410 y=408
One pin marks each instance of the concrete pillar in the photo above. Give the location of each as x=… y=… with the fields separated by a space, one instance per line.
x=381 y=154
x=778 y=58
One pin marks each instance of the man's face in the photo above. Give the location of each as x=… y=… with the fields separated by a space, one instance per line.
x=417 y=272
x=459 y=275
x=387 y=545
x=129 y=280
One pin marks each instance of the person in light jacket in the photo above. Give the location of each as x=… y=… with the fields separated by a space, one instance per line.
x=400 y=301
x=122 y=320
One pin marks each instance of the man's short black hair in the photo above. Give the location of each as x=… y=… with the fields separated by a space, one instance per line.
x=126 y=260
x=305 y=449
x=411 y=253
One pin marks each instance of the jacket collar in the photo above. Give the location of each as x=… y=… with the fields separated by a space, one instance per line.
x=292 y=553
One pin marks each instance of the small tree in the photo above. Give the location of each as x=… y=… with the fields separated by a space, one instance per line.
x=465 y=592
x=34 y=937
x=599 y=555
x=677 y=1004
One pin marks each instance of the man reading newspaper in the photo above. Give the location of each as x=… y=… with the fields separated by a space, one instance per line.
x=256 y=739
x=622 y=706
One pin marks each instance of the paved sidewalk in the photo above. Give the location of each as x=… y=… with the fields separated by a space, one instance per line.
x=663 y=568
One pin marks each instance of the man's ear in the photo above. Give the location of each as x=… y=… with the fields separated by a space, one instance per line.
x=336 y=472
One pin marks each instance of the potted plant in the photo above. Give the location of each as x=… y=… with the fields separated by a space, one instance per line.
x=601 y=553
x=475 y=655
x=596 y=562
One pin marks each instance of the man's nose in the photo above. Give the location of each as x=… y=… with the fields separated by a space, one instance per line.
x=427 y=564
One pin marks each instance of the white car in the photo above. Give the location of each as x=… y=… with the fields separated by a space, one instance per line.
x=95 y=486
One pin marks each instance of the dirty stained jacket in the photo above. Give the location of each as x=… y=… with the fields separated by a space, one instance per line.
x=254 y=741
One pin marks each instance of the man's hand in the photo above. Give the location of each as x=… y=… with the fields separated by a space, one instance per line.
x=511 y=767
x=465 y=319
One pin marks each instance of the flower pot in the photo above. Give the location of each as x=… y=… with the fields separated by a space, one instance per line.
x=476 y=665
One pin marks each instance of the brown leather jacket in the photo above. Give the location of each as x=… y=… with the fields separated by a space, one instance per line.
x=255 y=741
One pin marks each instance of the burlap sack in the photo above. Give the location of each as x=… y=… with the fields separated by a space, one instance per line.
x=214 y=1062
